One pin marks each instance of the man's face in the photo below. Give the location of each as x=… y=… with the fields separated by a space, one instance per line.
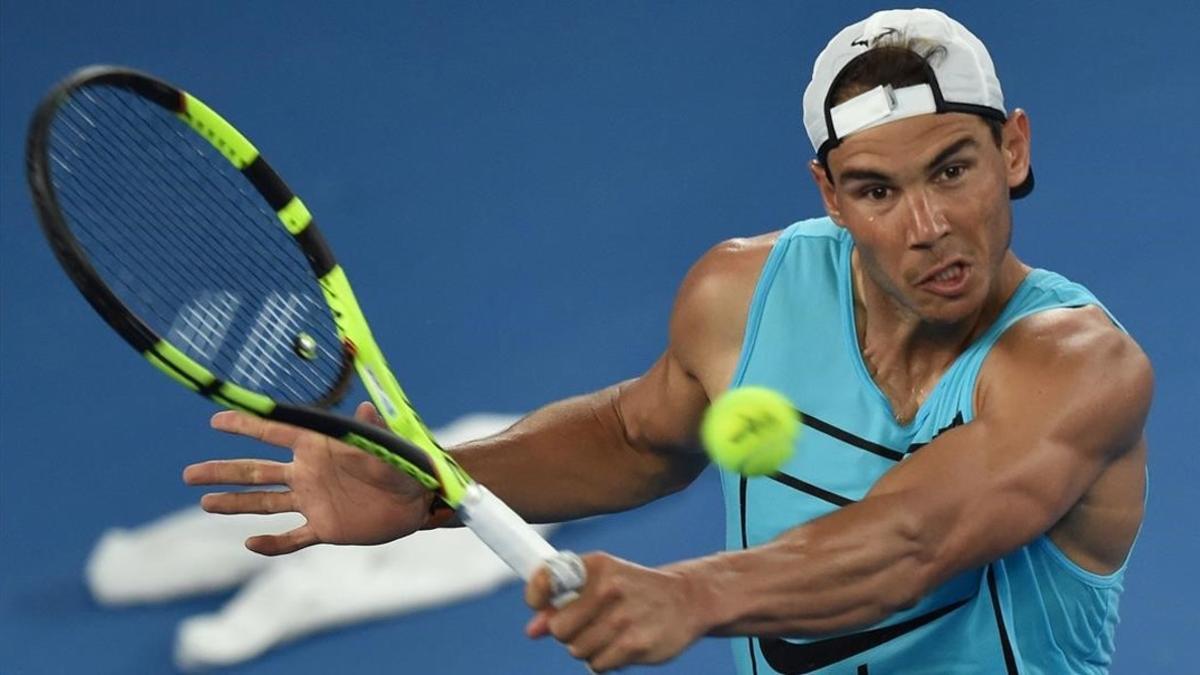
x=926 y=201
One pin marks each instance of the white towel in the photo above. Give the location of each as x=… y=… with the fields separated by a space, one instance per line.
x=191 y=552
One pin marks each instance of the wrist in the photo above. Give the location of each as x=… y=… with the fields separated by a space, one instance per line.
x=709 y=585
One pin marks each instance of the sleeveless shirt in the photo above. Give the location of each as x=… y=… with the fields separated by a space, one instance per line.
x=1033 y=611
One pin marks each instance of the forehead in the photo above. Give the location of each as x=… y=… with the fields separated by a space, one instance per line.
x=914 y=139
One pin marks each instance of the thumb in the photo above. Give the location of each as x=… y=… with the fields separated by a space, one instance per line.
x=366 y=412
x=280 y=544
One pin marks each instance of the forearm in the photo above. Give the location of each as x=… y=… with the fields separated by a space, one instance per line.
x=574 y=458
x=851 y=568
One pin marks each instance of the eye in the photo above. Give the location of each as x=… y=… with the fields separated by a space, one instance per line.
x=953 y=172
x=877 y=193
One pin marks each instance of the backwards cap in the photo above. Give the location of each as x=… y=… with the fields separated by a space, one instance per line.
x=961 y=79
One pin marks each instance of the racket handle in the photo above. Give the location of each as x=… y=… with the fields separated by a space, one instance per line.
x=518 y=545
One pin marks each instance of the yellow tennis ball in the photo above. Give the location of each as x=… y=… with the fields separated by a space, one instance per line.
x=750 y=430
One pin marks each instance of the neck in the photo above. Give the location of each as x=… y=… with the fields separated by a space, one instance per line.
x=907 y=354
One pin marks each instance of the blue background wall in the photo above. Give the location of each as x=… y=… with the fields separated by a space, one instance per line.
x=517 y=189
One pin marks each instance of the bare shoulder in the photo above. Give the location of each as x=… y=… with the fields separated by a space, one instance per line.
x=1077 y=356
x=713 y=302
x=1071 y=337
x=730 y=268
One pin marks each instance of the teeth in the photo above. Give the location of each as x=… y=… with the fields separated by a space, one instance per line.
x=948 y=274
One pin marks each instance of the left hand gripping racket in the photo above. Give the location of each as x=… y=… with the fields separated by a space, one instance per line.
x=189 y=245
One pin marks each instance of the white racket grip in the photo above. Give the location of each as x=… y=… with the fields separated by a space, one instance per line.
x=517 y=544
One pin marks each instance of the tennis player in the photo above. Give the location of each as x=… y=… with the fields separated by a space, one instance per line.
x=973 y=478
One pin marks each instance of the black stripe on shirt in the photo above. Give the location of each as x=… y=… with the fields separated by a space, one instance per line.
x=849 y=438
x=1010 y=661
x=805 y=487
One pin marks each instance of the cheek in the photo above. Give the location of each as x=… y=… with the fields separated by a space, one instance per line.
x=994 y=224
x=1002 y=228
x=882 y=249
x=877 y=234
x=883 y=265
x=979 y=216
x=887 y=249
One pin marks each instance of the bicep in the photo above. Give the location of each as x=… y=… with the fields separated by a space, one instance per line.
x=660 y=411
x=1050 y=421
x=659 y=414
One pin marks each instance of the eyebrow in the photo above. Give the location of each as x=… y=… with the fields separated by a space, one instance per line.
x=954 y=149
x=871 y=175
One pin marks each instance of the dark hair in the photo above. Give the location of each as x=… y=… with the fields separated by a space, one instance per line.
x=897 y=61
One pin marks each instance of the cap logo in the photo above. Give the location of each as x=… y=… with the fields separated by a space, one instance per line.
x=865 y=42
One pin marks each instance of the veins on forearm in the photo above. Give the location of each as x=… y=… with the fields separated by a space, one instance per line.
x=852 y=568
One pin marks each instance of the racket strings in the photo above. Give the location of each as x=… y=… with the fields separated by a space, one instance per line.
x=151 y=199
x=201 y=336
x=202 y=322
x=197 y=316
x=228 y=194
x=158 y=260
x=202 y=180
x=198 y=329
x=244 y=369
x=98 y=205
x=182 y=237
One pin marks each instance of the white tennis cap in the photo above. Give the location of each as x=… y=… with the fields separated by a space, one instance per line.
x=960 y=74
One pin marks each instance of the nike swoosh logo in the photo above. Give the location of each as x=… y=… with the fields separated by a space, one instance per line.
x=791 y=658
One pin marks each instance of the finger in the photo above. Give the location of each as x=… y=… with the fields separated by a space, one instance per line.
x=618 y=653
x=280 y=544
x=248 y=502
x=609 y=658
x=236 y=472
x=594 y=638
x=367 y=412
x=539 y=625
x=245 y=424
x=600 y=592
x=568 y=623
x=537 y=591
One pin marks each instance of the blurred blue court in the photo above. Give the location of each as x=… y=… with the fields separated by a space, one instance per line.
x=516 y=189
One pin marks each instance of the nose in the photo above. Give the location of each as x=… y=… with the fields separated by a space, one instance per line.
x=927 y=222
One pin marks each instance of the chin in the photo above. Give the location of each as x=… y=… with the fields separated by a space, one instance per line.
x=947 y=319
x=950 y=311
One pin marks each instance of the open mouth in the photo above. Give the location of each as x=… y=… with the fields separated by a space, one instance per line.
x=950 y=280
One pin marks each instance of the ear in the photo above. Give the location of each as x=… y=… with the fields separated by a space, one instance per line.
x=825 y=187
x=1014 y=145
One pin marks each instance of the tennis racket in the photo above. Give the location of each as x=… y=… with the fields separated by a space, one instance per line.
x=190 y=246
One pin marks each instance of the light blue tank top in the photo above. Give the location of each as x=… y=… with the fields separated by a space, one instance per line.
x=1034 y=611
